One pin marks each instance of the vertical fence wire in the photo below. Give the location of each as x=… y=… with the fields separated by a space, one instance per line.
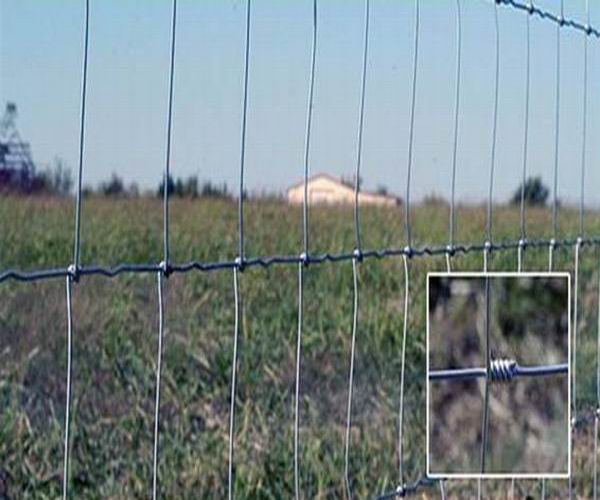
x=408 y=248
x=485 y=414
x=411 y=126
x=522 y=223
x=575 y=325
x=490 y=214
x=596 y=413
x=550 y=268
x=554 y=214
x=577 y=248
x=584 y=124
x=451 y=222
x=304 y=257
x=552 y=241
x=67 y=448
x=159 y=355
x=485 y=258
x=240 y=259
x=74 y=268
x=351 y=379
x=82 y=111
x=234 y=364
x=361 y=119
x=556 y=132
x=520 y=249
x=543 y=493
x=309 y=113
x=574 y=354
x=595 y=479
x=167 y=171
x=297 y=383
x=526 y=124
x=523 y=234
x=402 y=369
x=241 y=194
x=164 y=266
x=357 y=252
x=489 y=240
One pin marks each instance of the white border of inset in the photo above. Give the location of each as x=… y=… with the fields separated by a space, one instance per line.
x=515 y=475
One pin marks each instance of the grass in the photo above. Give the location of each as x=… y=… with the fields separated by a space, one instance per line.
x=115 y=337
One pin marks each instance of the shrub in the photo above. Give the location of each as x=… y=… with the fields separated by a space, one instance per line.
x=534 y=192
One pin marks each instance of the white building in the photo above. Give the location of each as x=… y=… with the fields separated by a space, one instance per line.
x=325 y=189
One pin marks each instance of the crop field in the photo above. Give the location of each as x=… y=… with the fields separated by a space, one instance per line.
x=115 y=339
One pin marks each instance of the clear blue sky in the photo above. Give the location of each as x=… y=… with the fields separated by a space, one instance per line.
x=40 y=67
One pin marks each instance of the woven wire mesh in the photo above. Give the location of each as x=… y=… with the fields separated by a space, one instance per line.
x=305 y=259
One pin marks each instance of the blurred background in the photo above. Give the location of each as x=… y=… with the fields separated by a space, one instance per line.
x=528 y=417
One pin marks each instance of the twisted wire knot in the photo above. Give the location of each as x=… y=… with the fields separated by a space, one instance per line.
x=502 y=370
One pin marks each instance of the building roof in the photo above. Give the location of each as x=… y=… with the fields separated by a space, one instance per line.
x=337 y=181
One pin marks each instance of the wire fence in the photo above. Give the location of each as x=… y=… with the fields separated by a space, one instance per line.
x=501 y=370
x=306 y=259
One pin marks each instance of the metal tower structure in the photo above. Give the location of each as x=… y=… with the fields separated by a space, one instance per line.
x=16 y=164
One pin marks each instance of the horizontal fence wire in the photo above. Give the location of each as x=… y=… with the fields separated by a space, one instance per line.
x=277 y=260
x=498 y=370
x=547 y=15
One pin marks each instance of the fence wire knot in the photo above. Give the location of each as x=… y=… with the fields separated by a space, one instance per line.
x=73 y=272
x=530 y=8
x=502 y=370
x=357 y=254
x=240 y=263
x=164 y=268
x=304 y=260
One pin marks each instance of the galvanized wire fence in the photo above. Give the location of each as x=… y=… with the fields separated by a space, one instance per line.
x=307 y=259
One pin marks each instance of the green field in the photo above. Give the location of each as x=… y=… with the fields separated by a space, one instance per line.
x=115 y=337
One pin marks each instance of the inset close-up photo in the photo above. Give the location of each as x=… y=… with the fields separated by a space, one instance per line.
x=498 y=391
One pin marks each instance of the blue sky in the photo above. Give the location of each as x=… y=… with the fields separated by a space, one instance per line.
x=40 y=69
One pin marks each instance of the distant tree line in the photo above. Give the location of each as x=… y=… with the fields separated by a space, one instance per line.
x=54 y=180
x=191 y=188
x=179 y=187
